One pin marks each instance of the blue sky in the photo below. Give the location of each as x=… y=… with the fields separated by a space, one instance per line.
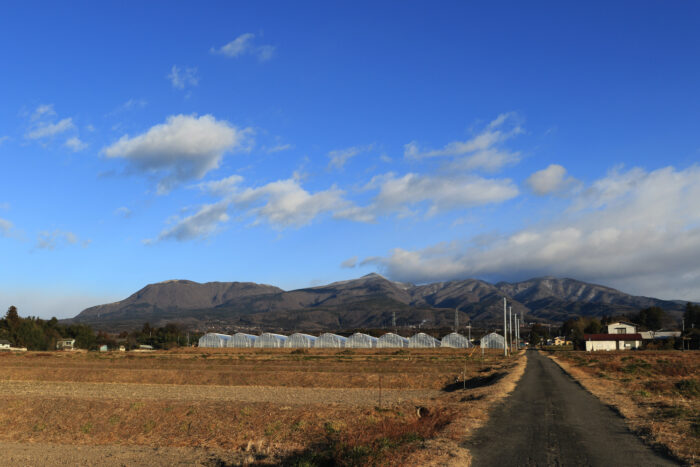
x=298 y=143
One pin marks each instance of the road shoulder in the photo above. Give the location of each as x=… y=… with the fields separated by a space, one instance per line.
x=637 y=418
x=476 y=406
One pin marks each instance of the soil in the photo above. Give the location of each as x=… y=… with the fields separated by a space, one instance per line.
x=277 y=395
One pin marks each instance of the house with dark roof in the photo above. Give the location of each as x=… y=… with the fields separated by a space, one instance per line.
x=5 y=344
x=621 y=341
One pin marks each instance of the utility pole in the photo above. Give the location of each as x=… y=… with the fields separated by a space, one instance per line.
x=456 y=319
x=469 y=329
x=517 y=342
x=510 y=328
x=505 y=326
x=393 y=322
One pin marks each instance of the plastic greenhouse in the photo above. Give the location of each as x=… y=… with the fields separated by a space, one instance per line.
x=361 y=341
x=330 y=341
x=391 y=340
x=492 y=341
x=455 y=340
x=300 y=340
x=423 y=341
x=242 y=341
x=268 y=340
x=214 y=340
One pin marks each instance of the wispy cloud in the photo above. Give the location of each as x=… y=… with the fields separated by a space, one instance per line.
x=3 y=139
x=243 y=45
x=199 y=225
x=183 y=77
x=5 y=227
x=279 y=148
x=47 y=130
x=479 y=152
x=51 y=240
x=183 y=148
x=75 y=144
x=414 y=193
x=349 y=263
x=339 y=157
x=44 y=110
x=123 y=211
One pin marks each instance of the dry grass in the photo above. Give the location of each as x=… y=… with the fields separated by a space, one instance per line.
x=301 y=432
x=658 y=392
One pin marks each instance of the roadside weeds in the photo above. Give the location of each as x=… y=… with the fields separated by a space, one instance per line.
x=473 y=409
x=641 y=417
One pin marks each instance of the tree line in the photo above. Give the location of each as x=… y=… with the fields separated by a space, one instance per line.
x=39 y=334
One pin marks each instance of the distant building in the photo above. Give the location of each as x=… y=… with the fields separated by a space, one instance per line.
x=622 y=327
x=5 y=344
x=103 y=348
x=65 y=344
x=659 y=335
x=122 y=348
x=561 y=341
x=619 y=341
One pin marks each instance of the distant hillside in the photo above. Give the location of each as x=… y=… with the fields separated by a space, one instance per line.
x=368 y=302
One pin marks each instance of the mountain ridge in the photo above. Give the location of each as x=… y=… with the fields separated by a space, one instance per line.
x=368 y=301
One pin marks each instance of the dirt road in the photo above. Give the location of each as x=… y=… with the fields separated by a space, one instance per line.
x=549 y=420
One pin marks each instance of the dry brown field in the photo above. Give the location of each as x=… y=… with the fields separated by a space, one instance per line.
x=658 y=392
x=248 y=406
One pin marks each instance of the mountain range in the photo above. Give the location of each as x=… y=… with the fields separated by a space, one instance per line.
x=367 y=302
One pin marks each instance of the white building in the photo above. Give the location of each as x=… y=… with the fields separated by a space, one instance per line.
x=622 y=327
x=361 y=341
x=492 y=341
x=4 y=344
x=300 y=341
x=241 y=340
x=268 y=340
x=455 y=340
x=330 y=341
x=423 y=341
x=391 y=340
x=214 y=340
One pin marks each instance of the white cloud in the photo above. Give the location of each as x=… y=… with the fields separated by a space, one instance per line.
x=349 y=263
x=222 y=187
x=636 y=230
x=552 y=180
x=183 y=148
x=5 y=227
x=123 y=211
x=44 y=110
x=339 y=157
x=201 y=224
x=131 y=104
x=46 y=130
x=285 y=203
x=243 y=45
x=279 y=148
x=479 y=152
x=180 y=78
x=281 y=204
x=75 y=144
x=438 y=193
x=52 y=240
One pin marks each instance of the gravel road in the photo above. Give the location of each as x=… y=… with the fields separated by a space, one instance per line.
x=276 y=395
x=549 y=420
